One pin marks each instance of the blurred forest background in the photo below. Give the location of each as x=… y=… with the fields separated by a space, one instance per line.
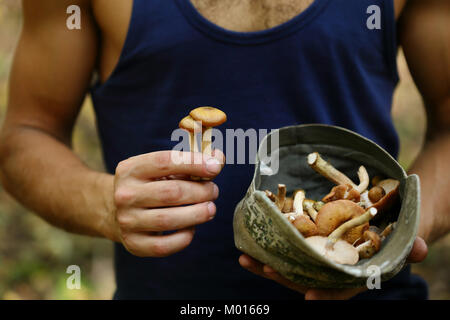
x=34 y=256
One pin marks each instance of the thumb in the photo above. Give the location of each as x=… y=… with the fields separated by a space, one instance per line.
x=418 y=252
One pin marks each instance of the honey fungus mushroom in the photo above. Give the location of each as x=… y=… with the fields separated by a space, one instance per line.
x=292 y=209
x=192 y=127
x=385 y=193
x=370 y=246
x=335 y=213
x=350 y=225
x=209 y=117
x=302 y=222
x=342 y=192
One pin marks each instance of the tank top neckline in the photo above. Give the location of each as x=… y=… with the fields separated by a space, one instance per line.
x=248 y=38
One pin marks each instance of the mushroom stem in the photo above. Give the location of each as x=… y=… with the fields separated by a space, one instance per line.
x=308 y=205
x=327 y=170
x=387 y=231
x=281 y=196
x=343 y=228
x=324 y=168
x=371 y=245
x=318 y=205
x=207 y=141
x=363 y=179
x=270 y=195
x=299 y=196
x=364 y=245
x=288 y=205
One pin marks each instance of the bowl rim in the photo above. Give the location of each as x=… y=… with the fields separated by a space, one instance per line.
x=408 y=181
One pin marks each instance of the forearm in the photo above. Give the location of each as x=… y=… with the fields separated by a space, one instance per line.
x=47 y=177
x=433 y=168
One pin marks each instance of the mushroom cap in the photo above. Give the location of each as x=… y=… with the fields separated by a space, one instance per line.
x=342 y=191
x=209 y=116
x=376 y=193
x=389 y=185
x=374 y=237
x=189 y=124
x=371 y=245
x=305 y=225
x=342 y=252
x=391 y=188
x=335 y=213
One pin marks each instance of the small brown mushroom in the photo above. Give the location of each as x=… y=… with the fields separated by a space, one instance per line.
x=209 y=117
x=376 y=193
x=349 y=225
x=335 y=213
x=342 y=192
x=193 y=127
x=301 y=221
x=342 y=252
x=370 y=246
x=305 y=225
x=324 y=168
x=391 y=190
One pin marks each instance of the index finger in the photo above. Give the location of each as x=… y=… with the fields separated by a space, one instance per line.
x=164 y=163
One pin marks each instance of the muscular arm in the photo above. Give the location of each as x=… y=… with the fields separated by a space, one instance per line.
x=148 y=193
x=425 y=37
x=49 y=78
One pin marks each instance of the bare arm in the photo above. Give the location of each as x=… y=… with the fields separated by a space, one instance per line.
x=425 y=38
x=50 y=75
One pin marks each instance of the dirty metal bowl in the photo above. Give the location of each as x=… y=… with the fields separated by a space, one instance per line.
x=262 y=232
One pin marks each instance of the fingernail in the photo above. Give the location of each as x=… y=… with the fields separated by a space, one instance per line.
x=211 y=209
x=213 y=166
x=215 y=191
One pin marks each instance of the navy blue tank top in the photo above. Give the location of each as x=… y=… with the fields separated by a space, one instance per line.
x=322 y=66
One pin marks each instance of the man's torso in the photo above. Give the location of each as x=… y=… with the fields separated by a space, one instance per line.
x=113 y=18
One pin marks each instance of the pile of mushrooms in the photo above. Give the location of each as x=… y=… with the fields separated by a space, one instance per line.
x=337 y=226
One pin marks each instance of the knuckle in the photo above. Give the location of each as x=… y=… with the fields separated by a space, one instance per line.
x=171 y=192
x=162 y=161
x=124 y=196
x=123 y=167
x=162 y=222
x=124 y=221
